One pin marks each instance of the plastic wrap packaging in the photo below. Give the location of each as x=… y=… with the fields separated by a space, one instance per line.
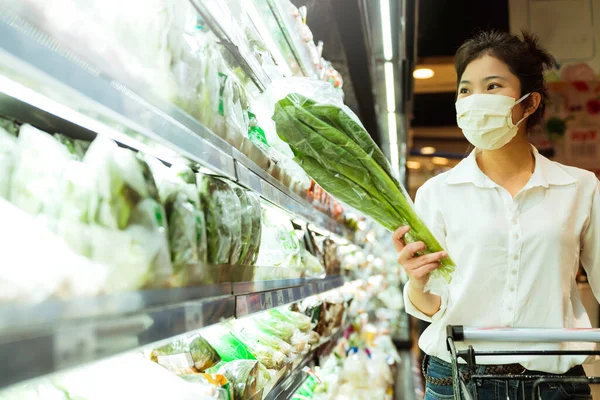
x=248 y=378
x=248 y=331
x=275 y=327
x=215 y=386
x=76 y=147
x=222 y=211
x=265 y=349
x=187 y=228
x=300 y=321
x=52 y=269
x=8 y=145
x=252 y=249
x=135 y=242
x=279 y=245
x=332 y=146
x=186 y=355
x=229 y=347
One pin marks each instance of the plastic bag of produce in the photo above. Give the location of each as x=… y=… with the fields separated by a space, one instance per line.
x=300 y=321
x=76 y=147
x=8 y=145
x=248 y=377
x=251 y=217
x=332 y=146
x=222 y=212
x=51 y=270
x=279 y=243
x=186 y=355
x=228 y=346
x=134 y=241
x=39 y=164
x=214 y=385
x=282 y=330
x=267 y=355
x=248 y=332
x=10 y=126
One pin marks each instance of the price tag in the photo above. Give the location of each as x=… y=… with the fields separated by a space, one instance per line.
x=268 y=300
x=72 y=347
x=290 y=293
x=321 y=286
x=194 y=317
x=280 y=299
x=242 y=306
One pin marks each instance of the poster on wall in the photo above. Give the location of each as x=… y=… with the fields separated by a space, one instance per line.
x=570 y=134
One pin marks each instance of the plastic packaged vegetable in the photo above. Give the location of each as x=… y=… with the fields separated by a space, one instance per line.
x=248 y=377
x=8 y=145
x=189 y=354
x=213 y=385
x=278 y=328
x=247 y=331
x=227 y=345
x=332 y=146
x=300 y=321
x=222 y=212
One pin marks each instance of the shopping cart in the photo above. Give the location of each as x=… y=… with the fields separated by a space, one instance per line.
x=461 y=333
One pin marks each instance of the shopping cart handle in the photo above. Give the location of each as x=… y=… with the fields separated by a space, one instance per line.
x=459 y=333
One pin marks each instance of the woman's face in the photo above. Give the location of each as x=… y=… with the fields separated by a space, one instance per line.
x=489 y=75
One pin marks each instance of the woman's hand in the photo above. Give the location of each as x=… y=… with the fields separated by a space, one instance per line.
x=417 y=268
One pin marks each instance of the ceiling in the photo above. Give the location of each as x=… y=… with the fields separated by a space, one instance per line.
x=443 y=26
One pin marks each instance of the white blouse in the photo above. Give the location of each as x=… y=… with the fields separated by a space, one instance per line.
x=516 y=258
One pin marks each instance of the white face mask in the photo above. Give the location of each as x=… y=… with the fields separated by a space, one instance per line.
x=486 y=119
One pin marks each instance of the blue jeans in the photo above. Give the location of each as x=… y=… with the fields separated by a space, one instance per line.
x=501 y=389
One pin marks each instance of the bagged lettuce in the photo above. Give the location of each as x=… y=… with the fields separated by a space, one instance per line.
x=300 y=321
x=248 y=378
x=282 y=330
x=187 y=355
x=222 y=213
x=252 y=246
x=228 y=346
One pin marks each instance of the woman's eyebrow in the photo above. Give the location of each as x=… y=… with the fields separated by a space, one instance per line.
x=494 y=77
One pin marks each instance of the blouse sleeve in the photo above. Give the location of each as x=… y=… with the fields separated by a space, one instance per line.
x=430 y=212
x=590 y=244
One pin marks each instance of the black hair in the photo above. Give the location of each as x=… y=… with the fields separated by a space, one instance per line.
x=524 y=57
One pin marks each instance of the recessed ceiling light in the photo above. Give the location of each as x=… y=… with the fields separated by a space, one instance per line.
x=440 y=160
x=413 y=165
x=427 y=150
x=423 y=73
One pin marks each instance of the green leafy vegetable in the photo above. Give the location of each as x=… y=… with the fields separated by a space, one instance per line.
x=336 y=151
x=189 y=354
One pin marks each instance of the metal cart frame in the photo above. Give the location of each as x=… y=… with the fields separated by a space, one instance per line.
x=460 y=333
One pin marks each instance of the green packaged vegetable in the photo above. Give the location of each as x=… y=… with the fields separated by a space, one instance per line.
x=228 y=346
x=187 y=355
x=282 y=330
x=222 y=214
x=300 y=321
x=331 y=145
x=248 y=378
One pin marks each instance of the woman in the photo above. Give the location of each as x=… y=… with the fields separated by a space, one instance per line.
x=516 y=224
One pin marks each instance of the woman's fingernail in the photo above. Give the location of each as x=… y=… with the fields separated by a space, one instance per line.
x=444 y=254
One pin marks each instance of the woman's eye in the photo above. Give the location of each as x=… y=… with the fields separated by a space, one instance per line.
x=493 y=86
x=463 y=91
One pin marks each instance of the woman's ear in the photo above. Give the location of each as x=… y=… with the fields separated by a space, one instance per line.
x=532 y=104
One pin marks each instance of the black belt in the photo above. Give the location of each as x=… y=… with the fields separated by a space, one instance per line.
x=504 y=369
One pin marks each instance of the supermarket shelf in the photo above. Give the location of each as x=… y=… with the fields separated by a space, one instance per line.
x=264 y=286
x=254 y=177
x=46 y=85
x=290 y=384
x=51 y=348
x=221 y=30
x=256 y=302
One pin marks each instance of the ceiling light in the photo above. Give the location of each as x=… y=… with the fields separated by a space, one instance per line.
x=413 y=165
x=390 y=92
x=386 y=28
x=393 y=138
x=423 y=73
x=428 y=150
x=440 y=160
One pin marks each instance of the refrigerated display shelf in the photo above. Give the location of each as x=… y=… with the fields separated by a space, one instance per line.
x=44 y=84
x=54 y=335
x=49 y=348
x=290 y=384
x=256 y=302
